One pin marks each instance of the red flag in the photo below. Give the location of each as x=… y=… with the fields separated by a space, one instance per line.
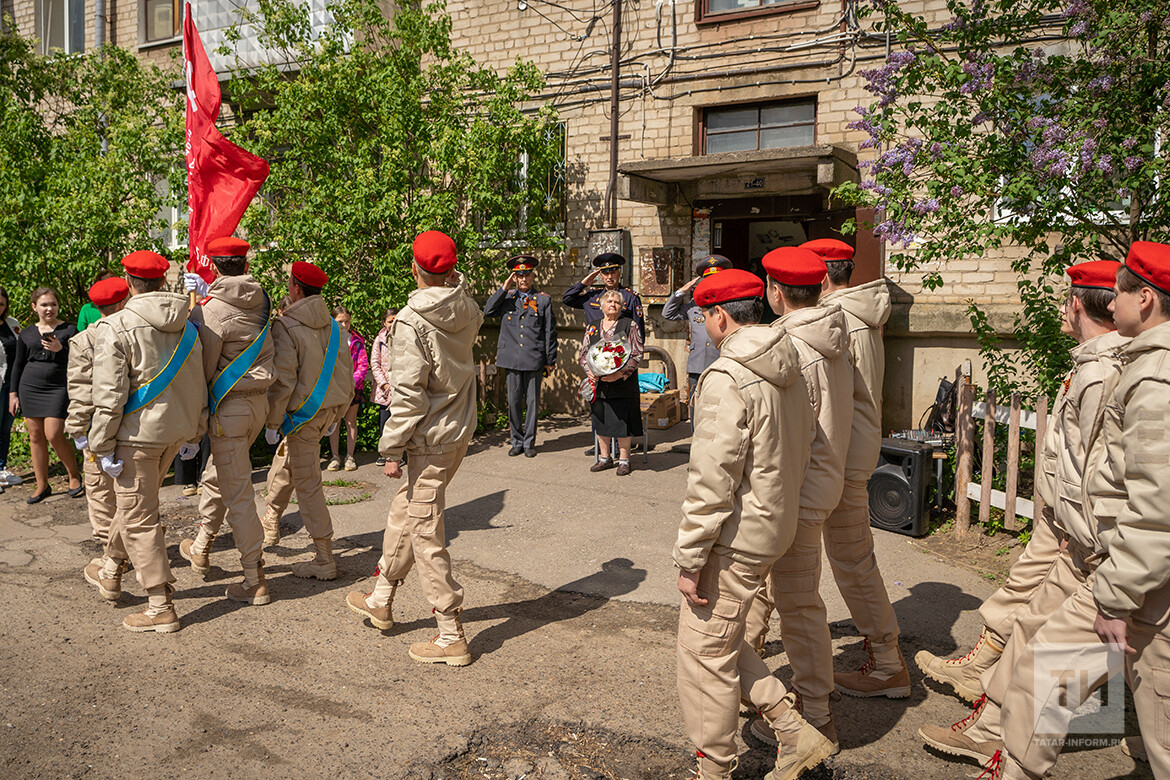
x=222 y=178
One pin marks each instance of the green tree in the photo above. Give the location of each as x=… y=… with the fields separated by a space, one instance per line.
x=86 y=145
x=1020 y=123
x=384 y=131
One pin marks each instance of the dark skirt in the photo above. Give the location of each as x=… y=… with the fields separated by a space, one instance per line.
x=42 y=391
x=617 y=416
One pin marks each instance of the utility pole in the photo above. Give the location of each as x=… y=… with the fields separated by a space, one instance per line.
x=614 y=109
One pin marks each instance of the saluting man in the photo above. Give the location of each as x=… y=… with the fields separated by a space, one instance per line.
x=109 y=296
x=150 y=402
x=432 y=417
x=681 y=306
x=609 y=267
x=309 y=396
x=527 y=348
x=238 y=368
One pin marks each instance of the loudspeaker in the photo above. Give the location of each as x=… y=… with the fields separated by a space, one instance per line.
x=900 y=487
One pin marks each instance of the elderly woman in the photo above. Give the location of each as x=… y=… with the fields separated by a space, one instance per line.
x=616 y=411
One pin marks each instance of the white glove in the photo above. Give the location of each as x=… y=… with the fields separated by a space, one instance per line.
x=111 y=466
x=332 y=430
x=81 y=442
x=272 y=436
x=194 y=283
x=188 y=451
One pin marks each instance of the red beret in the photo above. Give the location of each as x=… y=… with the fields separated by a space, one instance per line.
x=146 y=264
x=1150 y=262
x=434 y=252
x=729 y=285
x=108 y=291
x=795 y=266
x=227 y=247
x=829 y=249
x=309 y=274
x=1100 y=274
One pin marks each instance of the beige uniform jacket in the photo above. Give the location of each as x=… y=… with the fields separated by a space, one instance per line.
x=432 y=386
x=753 y=431
x=300 y=338
x=1129 y=484
x=80 y=384
x=1064 y=451
x=131 y=347
x=820 y=337
x=231 y=317
x=866 y=308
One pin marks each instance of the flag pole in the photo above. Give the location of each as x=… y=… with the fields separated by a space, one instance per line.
x=182 y=266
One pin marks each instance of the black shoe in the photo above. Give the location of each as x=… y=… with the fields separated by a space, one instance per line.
x=589 y=451
x=77 y=492
x=516 y=450
x=39 y=497
x=530 y=452
x=380 y=462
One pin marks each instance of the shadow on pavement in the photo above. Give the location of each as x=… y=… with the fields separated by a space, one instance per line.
x=572 y=600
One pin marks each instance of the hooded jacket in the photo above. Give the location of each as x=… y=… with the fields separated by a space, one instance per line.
x=1127 y=484
x=231 y=317
x=866 y=308
x=300 y=338
x=80 y=384
x=131 y=347
x=432 y=385
x=753 y=429
x=820 y=337
x=1065 y=447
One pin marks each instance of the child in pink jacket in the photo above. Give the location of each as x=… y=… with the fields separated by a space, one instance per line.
x=380 y=366
x=361 y=367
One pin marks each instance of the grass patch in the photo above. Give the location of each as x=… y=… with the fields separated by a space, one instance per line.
x=340 y=482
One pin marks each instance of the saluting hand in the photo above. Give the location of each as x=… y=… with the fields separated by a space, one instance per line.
x=588 y=280
x=688 y=585
x=393 y=469
x=510 y=281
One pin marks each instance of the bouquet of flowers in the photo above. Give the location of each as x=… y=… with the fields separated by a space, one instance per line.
x=608 y=357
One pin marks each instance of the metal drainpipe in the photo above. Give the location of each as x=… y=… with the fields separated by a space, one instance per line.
x=99 y=24
x=615 y=88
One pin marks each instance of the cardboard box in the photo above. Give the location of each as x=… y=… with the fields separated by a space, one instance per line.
x=661 y=410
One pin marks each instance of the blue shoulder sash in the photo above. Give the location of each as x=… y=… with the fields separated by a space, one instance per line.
x=234 y=371
x=152 y=389
x=307 y=410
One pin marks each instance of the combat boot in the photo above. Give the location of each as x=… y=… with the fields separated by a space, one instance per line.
x=271 y=524
x=1002 y=767
x=107 y=576
x=884 y=674
x=377 y=603
x=799 y=745
x=968 y=737
x=198 y=551
x=963 y=673
x=159 y=616
x=706 y=769
x=762 y=731
x=449 y=646
x=254 y=589
x=321 y=567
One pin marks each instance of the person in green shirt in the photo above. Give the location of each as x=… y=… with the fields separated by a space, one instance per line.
x=89 y=313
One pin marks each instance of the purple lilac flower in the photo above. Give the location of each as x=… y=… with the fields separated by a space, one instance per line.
x=1079 y=29
x=956 y=191
x=1132 y=163
x=1129 y=143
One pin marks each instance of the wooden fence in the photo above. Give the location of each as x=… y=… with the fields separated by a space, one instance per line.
x=966 y=489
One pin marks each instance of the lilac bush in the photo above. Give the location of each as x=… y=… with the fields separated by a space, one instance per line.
x=1035 y=125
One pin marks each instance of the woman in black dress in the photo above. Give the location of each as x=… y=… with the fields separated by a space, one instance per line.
x=616 y=408
x=38 y=391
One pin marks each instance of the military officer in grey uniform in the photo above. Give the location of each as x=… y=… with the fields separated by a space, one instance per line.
x=681 y=306
x=581 y=296
x=527 y=348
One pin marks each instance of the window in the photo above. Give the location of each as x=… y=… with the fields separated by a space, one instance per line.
x=61 y=25
x=721 y=10
x=761 y=126
x=170 y=217
x=160 y=20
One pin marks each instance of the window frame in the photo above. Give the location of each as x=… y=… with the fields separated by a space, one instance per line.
x=704 y=111
x=704 y=17
x=143 y=25
x=74 y=32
